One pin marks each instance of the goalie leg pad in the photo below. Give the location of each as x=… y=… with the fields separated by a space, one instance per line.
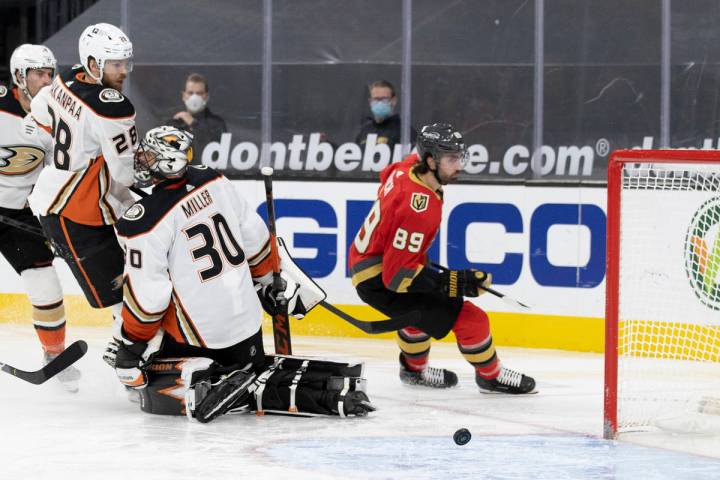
x=229 y=391
x=304 y=386
x=169 y=380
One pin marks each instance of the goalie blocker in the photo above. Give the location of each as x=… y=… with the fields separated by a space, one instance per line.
x=201 y=389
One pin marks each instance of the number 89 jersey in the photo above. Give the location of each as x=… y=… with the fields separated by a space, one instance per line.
x=93 y=143
x=399 y=229
x=191 y=250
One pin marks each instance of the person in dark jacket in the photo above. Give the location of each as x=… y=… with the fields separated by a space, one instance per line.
x=197 y=118
x=382 y=121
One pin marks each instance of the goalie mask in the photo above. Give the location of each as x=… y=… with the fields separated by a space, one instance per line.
x=104 y=42
x=163 y=154
x=28 y=57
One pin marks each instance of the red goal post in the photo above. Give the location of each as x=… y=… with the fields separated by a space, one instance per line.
x=662 y=314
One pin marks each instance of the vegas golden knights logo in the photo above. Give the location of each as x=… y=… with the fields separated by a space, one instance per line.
x=20 y=159
x=419 y=202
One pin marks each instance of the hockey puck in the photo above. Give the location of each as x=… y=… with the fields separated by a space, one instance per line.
x=462 y=436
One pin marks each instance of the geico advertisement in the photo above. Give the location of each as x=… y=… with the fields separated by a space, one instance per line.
x=544 y=246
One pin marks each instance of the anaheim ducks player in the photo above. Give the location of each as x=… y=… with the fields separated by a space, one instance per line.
x=22 y=153
x=389 y=267
x=193 y=248
x=84 y=190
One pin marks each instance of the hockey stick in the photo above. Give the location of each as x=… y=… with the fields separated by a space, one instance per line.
x=281 y=320
x=21 y=226
x=60 y=250
x=66 y=358
x=508 y=300
x=377 y=326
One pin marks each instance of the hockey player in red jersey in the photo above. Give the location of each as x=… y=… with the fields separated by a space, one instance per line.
x=23 y=148
x=391 y=271
x=194 y=249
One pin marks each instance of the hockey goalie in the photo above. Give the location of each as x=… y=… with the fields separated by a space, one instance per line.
x=198 y=271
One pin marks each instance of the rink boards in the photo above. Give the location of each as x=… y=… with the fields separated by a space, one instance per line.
x=545 y=247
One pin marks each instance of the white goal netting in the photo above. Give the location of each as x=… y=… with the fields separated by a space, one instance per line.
x=669 y=297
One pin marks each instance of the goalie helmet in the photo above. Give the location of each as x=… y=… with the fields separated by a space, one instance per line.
x=164 y=153
x=103 y=42
x=27 y=57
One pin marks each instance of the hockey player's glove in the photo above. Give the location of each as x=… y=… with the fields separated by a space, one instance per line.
x=129 y=363
x=270 y=298
x=132 y=358
x=464 y=283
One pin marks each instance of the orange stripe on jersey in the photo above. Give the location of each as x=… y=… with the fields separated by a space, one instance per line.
x=171 y=326
x=83 y=204
x=131 y=302
x=264 y=261
x=79 y=265
x=136 y=329
x=44 y=127
x=178 y=324
x=185 y=323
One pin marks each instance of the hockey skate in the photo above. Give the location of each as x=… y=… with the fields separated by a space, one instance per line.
x=509 y=381
x=429 y=377
x=68 y=378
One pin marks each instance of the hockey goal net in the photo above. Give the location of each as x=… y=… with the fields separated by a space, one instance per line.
x=662 y=344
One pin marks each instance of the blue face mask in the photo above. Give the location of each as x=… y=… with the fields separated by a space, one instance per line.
x=381 y=110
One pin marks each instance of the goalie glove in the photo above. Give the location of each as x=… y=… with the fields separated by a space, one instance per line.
x=300 y=291
x=270 y=298
x=464 y=283
x=132 y=357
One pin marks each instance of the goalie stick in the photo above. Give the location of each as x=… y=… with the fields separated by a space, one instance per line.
x=281 y=320
x=508 y=300
x=66 y=358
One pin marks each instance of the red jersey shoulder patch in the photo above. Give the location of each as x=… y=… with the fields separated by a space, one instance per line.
x=419 y=201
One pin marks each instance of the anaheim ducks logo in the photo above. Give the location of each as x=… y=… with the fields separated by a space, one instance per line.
x=419 y=202
x=20 y=159
x=135 y=212
x=110 y=95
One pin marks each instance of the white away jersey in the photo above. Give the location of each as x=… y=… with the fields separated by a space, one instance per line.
x=94 y=140
x=191 y=250
x=22 y=151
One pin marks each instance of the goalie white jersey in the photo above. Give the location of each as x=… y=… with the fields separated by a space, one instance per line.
x=22 y=151
x=192 y=249
x=93 y=142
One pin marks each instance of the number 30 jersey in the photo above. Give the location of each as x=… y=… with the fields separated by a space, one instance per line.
x=93 y=144
x=398 y=231
x=191 y=251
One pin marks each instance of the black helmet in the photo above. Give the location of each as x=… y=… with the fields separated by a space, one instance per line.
x=437 y=139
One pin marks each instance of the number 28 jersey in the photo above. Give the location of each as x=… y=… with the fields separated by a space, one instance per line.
x=398 y=231
x=93 y=144
x=192 y=249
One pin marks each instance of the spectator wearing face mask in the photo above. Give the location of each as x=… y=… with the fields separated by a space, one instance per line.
x=197 y=118
x=382 y=119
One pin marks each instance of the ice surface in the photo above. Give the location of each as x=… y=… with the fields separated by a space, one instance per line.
x=97 y=433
